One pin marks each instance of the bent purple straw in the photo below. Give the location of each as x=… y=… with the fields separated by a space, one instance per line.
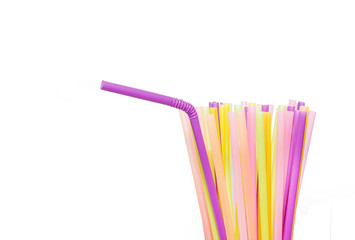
x=191 y=112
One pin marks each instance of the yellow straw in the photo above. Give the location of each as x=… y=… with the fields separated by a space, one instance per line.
x=213 y=110
x=273 y=175
x=261 y=161
x=267 y=121
x=222 y=110
x=228 y=157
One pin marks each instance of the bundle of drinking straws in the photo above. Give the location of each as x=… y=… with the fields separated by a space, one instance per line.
x=247 y=180
x=257 y=174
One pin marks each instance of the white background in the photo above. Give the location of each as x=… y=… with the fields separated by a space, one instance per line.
x=80 y=163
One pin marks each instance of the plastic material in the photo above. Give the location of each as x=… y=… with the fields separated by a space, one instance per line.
x=191 y=112
x=290 y=207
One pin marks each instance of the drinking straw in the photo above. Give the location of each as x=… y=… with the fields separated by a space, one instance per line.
x=287 y=231
x=201 y=116
x=265 y=108
x=252 y=152
x=292 y=103
x=209 y=206
x=234 y=197
x=222 y=110
x=299 y=104
x=238 y=186
x=294 y=133
x=266 y=115
x=219 y=120
x=267 y=121
x=227 y=155
x=258 y=224
x=220 y=177
x=208 y=202
x=216 y=105
x=273 y=175
x=206 y=110
x=213 y=110
x=261 y=162
x=291 y=108
x=288 y=133
x=223 y=116
x=191 y=112
x=279 y=188
x=303 y=108
x=245 y=165
x=273 y=171
x=310 y=123
x=196 y=175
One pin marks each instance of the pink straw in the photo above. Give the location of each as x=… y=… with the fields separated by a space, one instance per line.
x=189 y=139
x=288 y=132
x=238 y=186
x=252 y=155
x=280 y=159
x=191 y=112
x=292 y=103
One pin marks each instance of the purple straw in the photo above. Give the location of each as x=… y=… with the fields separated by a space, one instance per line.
x=290 y=108
x=265 y=108
x=290 y=208
x=300 y=104
x=290 y=159
x=191 y=112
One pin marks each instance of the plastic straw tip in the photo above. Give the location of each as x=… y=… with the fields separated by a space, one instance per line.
x=102 y=85
x=290 y=108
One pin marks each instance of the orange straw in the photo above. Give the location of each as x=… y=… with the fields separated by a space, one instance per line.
x=245 y=164
x=220 y=177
